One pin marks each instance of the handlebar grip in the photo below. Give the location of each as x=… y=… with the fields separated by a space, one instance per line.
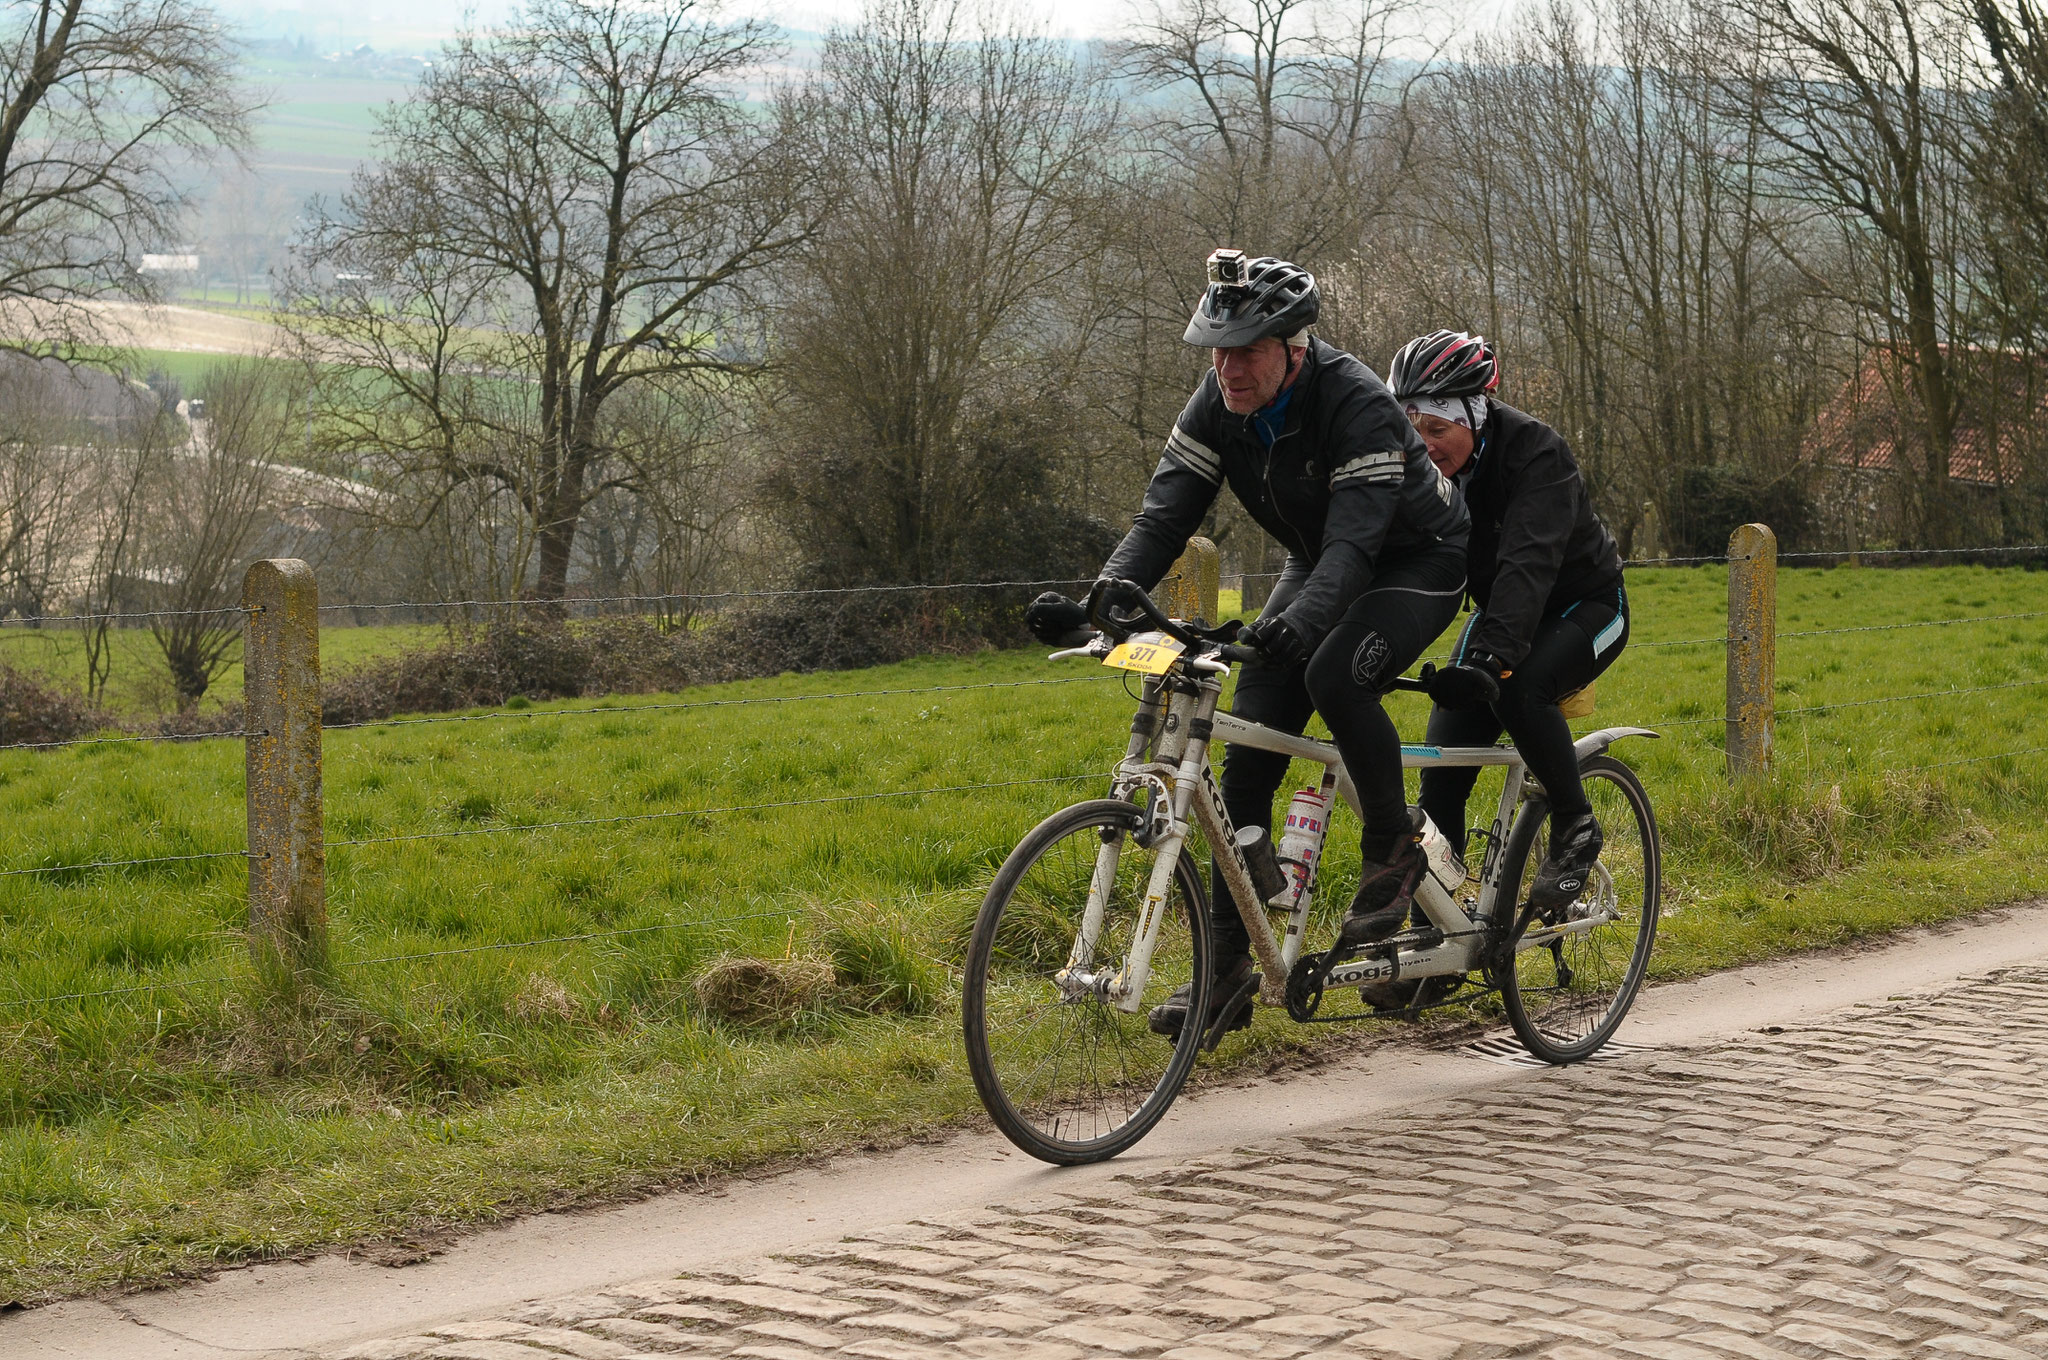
x=1230 y=651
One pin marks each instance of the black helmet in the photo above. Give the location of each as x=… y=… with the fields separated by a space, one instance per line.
x=1248 y=300
x=1444 y=364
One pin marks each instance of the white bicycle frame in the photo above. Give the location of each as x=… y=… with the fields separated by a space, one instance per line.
x=1180 y=711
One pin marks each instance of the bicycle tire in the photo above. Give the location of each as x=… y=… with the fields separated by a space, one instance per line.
x=1015 y=1021
x=1566 y=1000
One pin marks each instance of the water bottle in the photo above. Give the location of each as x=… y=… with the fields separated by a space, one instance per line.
x=1446 y=866
x=1301 y=841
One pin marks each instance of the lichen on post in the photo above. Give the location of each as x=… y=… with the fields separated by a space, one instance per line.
x=281 y=693
x=1752 y=648
x=1191 y=585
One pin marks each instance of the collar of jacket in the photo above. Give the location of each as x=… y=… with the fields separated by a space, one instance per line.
x=1470 y=472
x=1290 y=401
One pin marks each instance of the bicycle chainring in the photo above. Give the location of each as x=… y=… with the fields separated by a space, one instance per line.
x=1305 y=985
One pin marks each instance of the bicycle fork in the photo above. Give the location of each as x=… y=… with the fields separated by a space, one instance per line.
x=1181 y=722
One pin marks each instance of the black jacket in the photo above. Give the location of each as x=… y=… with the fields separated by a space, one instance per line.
x=1536 y=547
x=1348 y=484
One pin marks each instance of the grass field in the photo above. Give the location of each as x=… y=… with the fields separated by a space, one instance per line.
x=138 y=685
x=154 y=1133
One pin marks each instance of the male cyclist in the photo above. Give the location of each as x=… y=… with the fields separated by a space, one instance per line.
x=1316 y=449
x=1550 y=613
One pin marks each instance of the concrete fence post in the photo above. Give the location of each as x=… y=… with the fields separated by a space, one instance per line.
x=281 y=693
x=1189 y=590
x=1752 y=648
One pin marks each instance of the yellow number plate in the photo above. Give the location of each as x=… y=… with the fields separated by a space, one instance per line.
x=1147 y=653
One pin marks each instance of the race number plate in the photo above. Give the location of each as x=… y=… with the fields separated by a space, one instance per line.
x=1146 y=653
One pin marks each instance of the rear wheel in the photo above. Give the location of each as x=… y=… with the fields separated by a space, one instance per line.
x=1068 y=1075
x=1566 y=990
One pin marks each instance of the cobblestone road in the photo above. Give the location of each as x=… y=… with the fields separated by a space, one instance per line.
x=1873 y=1186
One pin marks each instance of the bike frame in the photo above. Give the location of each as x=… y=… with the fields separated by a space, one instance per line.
x=1178 y=712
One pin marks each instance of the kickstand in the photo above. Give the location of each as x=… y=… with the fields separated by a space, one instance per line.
x=1241 y=999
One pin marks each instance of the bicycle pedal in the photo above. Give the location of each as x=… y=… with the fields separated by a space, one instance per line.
x=1234 y=1014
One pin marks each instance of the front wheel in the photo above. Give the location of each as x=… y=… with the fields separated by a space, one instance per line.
x=1068 y=1075
x=1566 y=990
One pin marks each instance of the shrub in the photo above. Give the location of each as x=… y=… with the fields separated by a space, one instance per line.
x=1719 y=499
x=528 y=662
x=32 y=711
x=484 y=668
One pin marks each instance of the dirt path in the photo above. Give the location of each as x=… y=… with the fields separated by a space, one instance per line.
x=1863 y=1128
x=185 y=328
x=133 y=324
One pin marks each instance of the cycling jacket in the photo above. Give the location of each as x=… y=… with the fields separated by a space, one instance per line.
x=1536 y=546
x=1346 y=485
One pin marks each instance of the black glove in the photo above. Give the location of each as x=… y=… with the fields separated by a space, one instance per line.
x=1113 y=605
x=1472 y=683
x=1052 y=617
x=1274 y=638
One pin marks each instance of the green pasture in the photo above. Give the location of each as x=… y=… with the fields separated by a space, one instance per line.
x=448 y=1072
x=138 y=685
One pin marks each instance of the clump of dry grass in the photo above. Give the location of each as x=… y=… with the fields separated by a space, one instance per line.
x=540 y=997
x=762 y=992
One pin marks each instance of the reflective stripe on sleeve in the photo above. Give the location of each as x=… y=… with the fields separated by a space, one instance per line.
x=1389 y=465
x=1194 y=455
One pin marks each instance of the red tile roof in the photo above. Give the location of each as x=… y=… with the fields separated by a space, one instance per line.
x=1865 y=426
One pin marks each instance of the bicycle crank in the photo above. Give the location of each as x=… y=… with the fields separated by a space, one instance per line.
x=1305 y=984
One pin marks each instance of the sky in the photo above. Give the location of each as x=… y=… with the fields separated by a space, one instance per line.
x=420 y=25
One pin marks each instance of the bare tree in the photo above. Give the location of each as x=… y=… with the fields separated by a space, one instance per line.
x=104 y=106
x=673 y=533
x=946 y=290
x=128 y=466
x=1622 y=238
x=1283 y=119
x=206 y=517
x=1853 y=96
x=565 y=208
x=44 y=471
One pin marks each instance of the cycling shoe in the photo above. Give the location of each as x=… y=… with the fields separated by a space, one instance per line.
x=1562 y=877
x=1170 y=1015
x=1386 y=998
x=1401 y=1000
x=1380 y=906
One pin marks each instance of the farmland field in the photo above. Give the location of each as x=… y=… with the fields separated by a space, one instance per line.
x=448 y=1072
x=138 y=684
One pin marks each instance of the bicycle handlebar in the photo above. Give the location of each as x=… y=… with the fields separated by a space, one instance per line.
x=1100 y=613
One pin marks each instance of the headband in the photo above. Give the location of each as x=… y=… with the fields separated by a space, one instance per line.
x=1471 y=412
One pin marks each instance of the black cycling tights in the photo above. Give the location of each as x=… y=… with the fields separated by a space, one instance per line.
x=1409 y=604
x=1571 y=648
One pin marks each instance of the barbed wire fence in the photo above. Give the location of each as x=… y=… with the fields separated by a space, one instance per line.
x=285 y=917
